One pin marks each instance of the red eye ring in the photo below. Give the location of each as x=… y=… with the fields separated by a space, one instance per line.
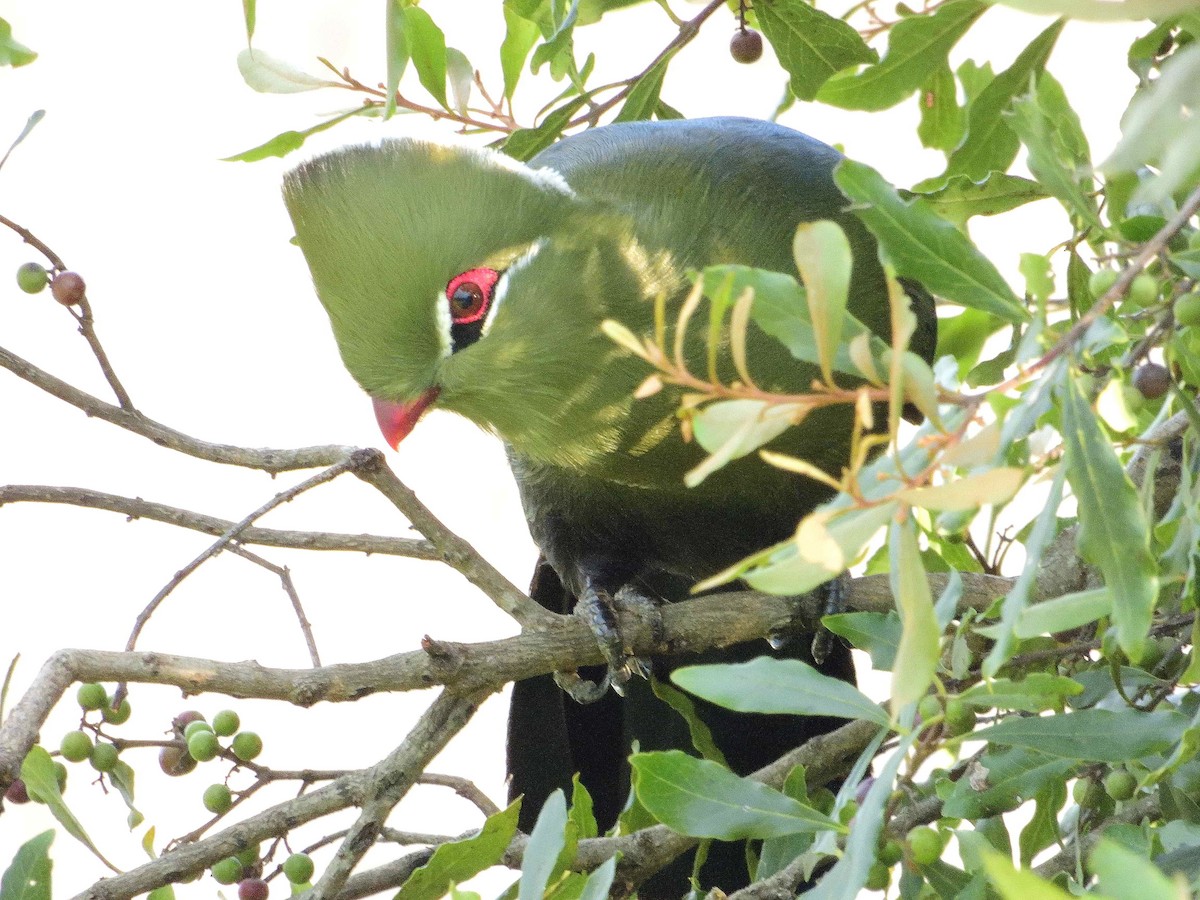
x=470 y=295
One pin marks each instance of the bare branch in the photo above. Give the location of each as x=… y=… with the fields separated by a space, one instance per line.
x=137 y=508
x=289 y=588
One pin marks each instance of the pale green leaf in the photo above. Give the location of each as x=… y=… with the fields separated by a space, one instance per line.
x=729 y=429
x=959 y=198
x=700 y=798
x=972 y=491
x=1100 y=735
x=28 y=875
x=519 y=37
x=917 y=655
x=1020 y=884
x=457 y=861
x=1001 y=779
x=250 y=14
x=1064 y=613
x=283 y=144
x=12 y=52
x=396 y=47
x=1103 y=10
x=525 y=143
x=546 y=841
x=427 y=48
x=769 y=685
x=34 y=117
x=1125 y=875
x=642 y=100
x=268 y=75
x=943 y=121
x=1036 y=692
x=876 y=633
x=823 y=258
x=810 y=44
x=461 y=76
x=37 y=771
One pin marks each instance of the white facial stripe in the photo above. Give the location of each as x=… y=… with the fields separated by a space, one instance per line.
x=501 y=289
x=442 y=309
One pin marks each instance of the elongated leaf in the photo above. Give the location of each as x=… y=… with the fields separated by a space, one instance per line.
x=917 y=655
x=459 y=860
x=1114 y=535
x=960 y=197
x=268 y=75
x=1036 y=692
x=519 y=37
x=926 y=248
x=546 y=842
x=12 y=52
x=1001 y=779
x=917 y=48
x=702 y=799
x=28 y=876
x=526 y=143
x=1064 y=613
x=600 y=880
x=461 y=75
x=768 y=685
x=876 y=633
x=823 y=258
x=811 y=45
x=943 y=121
x=643 y=98
x=427 y=47
x=1018 y=884
x=729 y=429
x=250 y=14
x=969 y=492
x=37 y=771
x=1100 y=735
x=36 y=116
x=990 y=144
x=1126 y=875
x=1103 y=10
x=283 y=144
x=396 y=47
x=1043 y=120
x=557 y=47
x=698 y=730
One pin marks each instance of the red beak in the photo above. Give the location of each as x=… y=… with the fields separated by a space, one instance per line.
x=396 y=420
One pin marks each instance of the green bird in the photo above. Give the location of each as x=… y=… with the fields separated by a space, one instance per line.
x=460 y=279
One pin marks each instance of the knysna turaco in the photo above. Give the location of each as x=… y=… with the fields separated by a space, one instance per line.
x=460 y=279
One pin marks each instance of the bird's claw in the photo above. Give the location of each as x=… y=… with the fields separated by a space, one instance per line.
x=834 y=595
x=581 y=690
x=598 y=609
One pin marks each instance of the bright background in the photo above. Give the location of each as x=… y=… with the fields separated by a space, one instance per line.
x=209 y=317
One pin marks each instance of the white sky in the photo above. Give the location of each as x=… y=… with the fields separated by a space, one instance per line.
x=209 y=317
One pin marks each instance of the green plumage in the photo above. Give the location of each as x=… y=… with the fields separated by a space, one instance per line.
x=597 y=227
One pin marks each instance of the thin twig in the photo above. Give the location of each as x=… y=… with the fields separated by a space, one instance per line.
x=289 y=588
x=137 y=508
x=230 y=534
x=465 y=788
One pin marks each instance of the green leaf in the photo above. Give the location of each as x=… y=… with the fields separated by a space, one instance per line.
x=1036 y=692
x=1125 y=875
x=701 y=734
x=122 y=778
x=917 y=48
x=582 y=813
x=249 y=13
x=459 y=860
x=1064 y=613
x=1018 y=884
x=28 y=876
x=1100 y=735
x=519 y=37
x=917 y=655
x=1046 y=124
x=557 y=47
x=461 y=75
x=730 y=429
x=427 y=47
x=926 y=248
x=283 y=144
x=822 y=255
x=642 y=99
x=811 y=45
x=36 y=116
x=942 y=119
x=960 y=197
x=1002 y=779
x=876 y=633
x=1042 y=830
x=546 y=841
x=525 y=143
x=268 y=75
x=13 y=53
x=1103 y=10
x=700 y=798
x=396 y=47
x=990 y=144
x=1114 y=535
x=769 y=685
x=37 y=771
x=600 y=880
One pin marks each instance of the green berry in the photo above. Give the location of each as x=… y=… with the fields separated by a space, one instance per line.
x=195 y=728
x=1143 y=291
x=92 y=696
x=929 y=707
x=846 y=813
x=226 y=723
x=228 y=870
x=60 y=775
x=298 y=868
x=118 y=716
x=76 y=746
x=925 y=845
x=746 y=45
x=246 y=745
x=960 y=718
x=1120 y=784
x=1086 y=792
x=891 y=853
x=1100 y=281
x=175 y=761
x=32 y=278
x=68 y=288
x=249 y=856
x=104 y=757
x=217 y=799
x=878 y=878
x=1187 y=309
x=203 y=746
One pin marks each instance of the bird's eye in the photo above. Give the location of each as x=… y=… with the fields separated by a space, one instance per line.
x=470 y=295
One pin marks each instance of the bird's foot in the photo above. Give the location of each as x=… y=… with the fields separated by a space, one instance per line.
x=599 y=609
x=833 y=595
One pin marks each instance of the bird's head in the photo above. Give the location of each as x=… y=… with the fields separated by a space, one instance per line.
x=461 y=277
